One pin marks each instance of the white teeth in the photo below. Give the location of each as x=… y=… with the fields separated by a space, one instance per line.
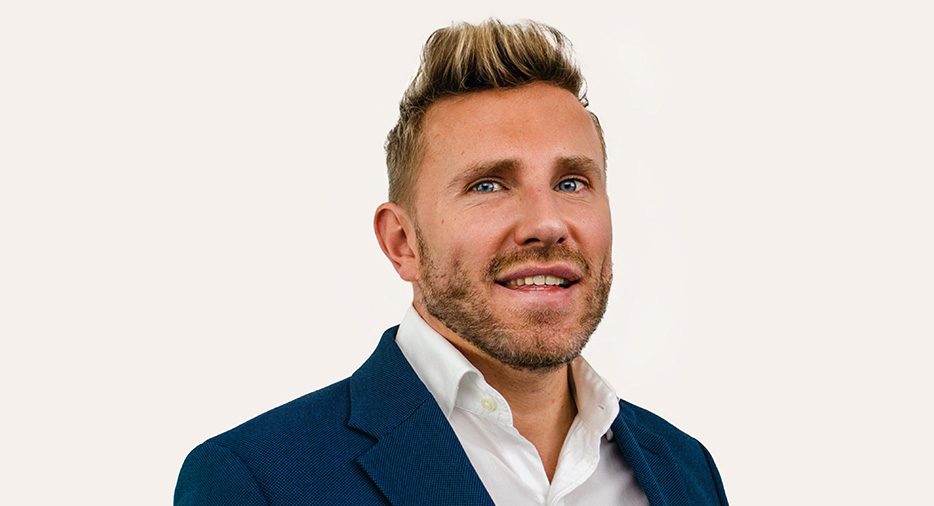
x=539 y=280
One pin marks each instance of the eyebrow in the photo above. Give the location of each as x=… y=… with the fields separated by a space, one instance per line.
x=581 y=164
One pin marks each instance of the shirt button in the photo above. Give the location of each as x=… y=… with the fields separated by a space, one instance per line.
x=488 y=404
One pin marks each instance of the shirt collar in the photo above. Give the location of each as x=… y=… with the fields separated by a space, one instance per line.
x=444 y=370
x=597 y=402
x=436 y=361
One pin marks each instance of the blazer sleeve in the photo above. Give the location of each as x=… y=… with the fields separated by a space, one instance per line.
x=213 y=475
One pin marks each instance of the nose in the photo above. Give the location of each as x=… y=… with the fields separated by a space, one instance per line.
x=540 y=221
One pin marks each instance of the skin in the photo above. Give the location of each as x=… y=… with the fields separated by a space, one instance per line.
x=512 y=183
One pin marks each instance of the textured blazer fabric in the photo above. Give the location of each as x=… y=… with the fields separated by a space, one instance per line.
x=378 y=437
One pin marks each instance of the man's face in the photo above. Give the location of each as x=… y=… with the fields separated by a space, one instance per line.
x=513 y=225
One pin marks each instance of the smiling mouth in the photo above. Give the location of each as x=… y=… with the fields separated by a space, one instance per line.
x=539 y=280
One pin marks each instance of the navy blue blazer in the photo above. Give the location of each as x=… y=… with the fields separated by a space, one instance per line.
x=379 y=437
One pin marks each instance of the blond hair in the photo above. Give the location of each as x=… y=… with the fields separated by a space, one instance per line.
x=465 y=58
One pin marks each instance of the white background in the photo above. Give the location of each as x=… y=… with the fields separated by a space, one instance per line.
x=187 y=190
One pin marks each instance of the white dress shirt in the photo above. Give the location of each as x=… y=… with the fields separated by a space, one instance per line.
x=591 y=469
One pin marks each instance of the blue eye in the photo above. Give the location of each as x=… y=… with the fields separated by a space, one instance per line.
x=487 y=187
x=571 y=185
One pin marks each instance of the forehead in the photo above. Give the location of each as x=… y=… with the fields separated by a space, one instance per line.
x=536 y=124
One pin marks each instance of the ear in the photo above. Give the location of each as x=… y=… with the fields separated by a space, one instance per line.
x=396 y=237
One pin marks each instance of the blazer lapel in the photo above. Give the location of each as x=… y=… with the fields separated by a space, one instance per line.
x=417 y=458
x=651 y=461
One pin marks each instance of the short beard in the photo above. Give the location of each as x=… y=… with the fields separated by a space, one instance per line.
x=459 y=306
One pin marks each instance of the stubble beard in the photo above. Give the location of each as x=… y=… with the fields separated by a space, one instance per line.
x=529 y=344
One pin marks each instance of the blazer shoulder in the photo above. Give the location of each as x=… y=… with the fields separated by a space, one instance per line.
x=308 y=451
x=303 y=448
x=213 y=476
x=320 y=408
x=314 y=424
x=686 y=453
x=648 y=420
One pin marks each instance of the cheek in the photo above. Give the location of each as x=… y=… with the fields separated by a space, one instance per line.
x=479 y=227
x=598 y=233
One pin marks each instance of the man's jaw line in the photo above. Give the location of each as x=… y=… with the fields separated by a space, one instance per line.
x=491 y=367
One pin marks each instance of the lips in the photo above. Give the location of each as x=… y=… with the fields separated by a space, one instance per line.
x=542 y=269
x=556 y=275
x=539 y=280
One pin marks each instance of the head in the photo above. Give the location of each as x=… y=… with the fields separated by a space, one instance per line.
x=498 y=210
x=465 y=58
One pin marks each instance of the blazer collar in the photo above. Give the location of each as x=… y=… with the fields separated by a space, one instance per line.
x=650 y=458
x=416 y=458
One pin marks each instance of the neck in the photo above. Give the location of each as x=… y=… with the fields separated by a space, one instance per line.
x=542 y=401
x=542 y=405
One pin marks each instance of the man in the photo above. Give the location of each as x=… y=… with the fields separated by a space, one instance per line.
x=499 y=218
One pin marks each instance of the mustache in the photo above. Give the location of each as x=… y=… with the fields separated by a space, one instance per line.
x=554 y=253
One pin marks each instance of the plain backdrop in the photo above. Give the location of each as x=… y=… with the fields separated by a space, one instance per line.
x=187 y=189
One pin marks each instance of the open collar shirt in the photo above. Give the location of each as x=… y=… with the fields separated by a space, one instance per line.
x=591 y=469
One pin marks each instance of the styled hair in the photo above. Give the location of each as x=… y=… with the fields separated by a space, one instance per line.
x=466 y=58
